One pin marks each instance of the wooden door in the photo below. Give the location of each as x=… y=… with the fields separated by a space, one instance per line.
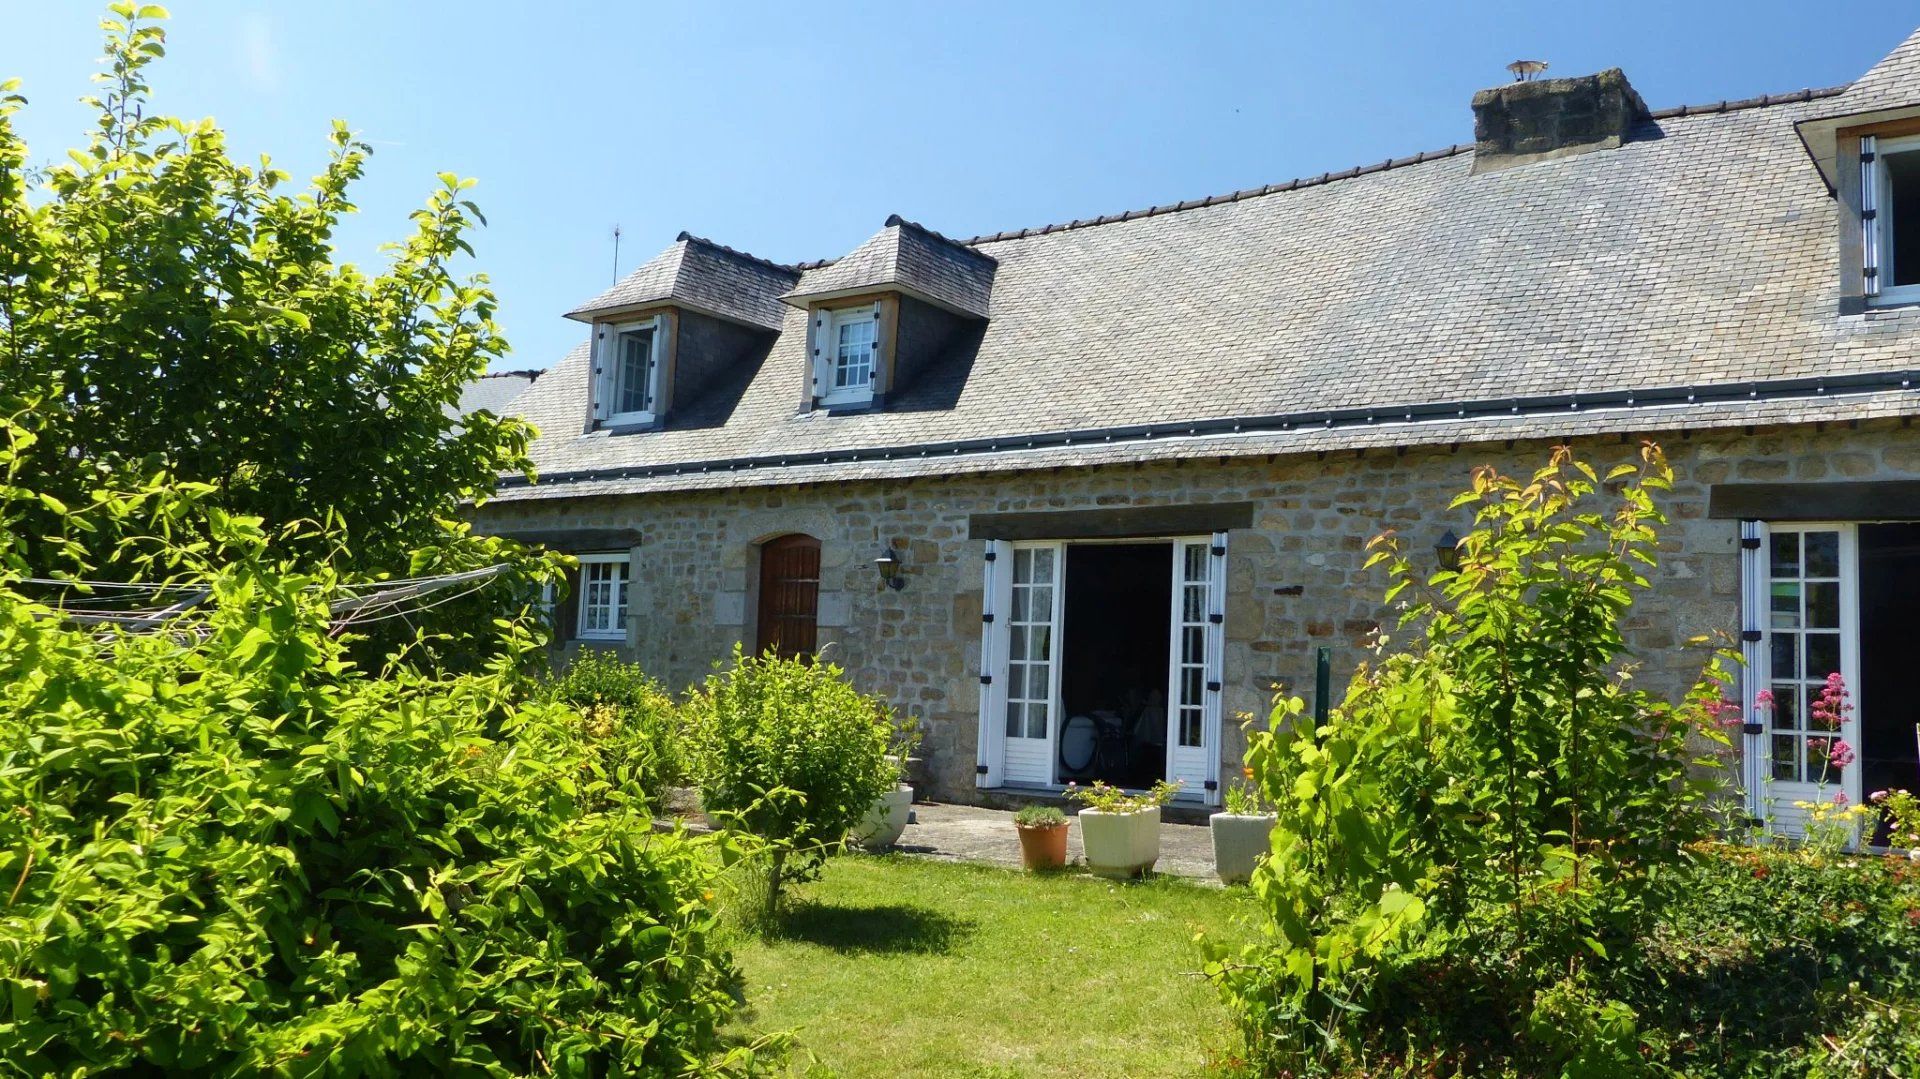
x=789 y=596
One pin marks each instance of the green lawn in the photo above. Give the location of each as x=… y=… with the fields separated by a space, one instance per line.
x=893 y=966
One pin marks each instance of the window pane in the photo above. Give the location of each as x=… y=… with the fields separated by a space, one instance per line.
x=1039 y=642
x=1784 y=758
x=1036 y=721
x=1190 y=726
x=1043 y=566
x=1823 y=654
x=1042 y=604
x=1020 y=604
x=1014 y=726
x=1039 y=676
x=1786 y=605
x=1786 y=658
x=1017 y=642
x=1823 y=605
x=1785 y=560
x=1903 y=230
x=1786 y=707
x=1823 y=554
x=634 y=391
x=853 y=358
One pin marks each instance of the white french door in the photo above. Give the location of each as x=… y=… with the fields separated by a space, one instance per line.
x=1194 y=665
x=1020 y=680
x=1801 y=592
x=1020 y=663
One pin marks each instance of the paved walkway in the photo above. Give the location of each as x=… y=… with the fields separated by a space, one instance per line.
x=972 y=834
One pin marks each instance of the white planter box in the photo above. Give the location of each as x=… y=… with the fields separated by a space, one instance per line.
x=1239 y=842
x=882 y=825
x=1121 y=845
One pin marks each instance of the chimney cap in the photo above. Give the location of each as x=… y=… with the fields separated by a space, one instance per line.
x=1525 y=70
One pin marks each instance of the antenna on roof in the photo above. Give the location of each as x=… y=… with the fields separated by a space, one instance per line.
x=1525 y=70
x=616 y=254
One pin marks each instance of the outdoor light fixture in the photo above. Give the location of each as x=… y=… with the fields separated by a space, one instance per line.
x=1448 y=550
x=889 y=566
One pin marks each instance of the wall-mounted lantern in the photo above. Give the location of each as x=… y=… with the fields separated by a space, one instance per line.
x=889 y=566
x=1447 y=551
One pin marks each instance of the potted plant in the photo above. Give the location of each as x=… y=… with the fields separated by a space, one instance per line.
x=1121 y=830
x=1242 y=834
x=1043 y=837
x=890 y=813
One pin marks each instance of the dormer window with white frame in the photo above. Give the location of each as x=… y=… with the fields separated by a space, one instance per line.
x=626 y=366
x=1890 y=218
x=846 y=354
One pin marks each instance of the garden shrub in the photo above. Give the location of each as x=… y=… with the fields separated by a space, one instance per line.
x=628 y=717
x=788 y=751
x=226 y=850
x=1482 y=821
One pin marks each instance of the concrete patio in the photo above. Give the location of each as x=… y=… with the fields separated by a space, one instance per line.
x=972 y=834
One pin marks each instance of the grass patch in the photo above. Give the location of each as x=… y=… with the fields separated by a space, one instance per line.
x=902 y=966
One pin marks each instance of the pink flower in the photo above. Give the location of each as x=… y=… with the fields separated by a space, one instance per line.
x=1839 y=798
x=1877 y=797
x=1839 y=753
x=1763 y=700
x=1725 y=712
x=1829 y=710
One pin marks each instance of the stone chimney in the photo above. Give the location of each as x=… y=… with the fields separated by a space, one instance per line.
x=1548 y=118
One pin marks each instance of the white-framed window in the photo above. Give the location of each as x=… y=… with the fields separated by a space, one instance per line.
x=846 y=350
x=603 y=597
x=627 y=359
x=1890 y=218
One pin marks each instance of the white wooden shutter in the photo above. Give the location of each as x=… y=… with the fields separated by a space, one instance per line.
x=1754 y=753
x=996 y=589
x=874 y=381
x=822 y=357
x=1216 y=655
x=602 y=361
x=655 y=361
x=1870 y=214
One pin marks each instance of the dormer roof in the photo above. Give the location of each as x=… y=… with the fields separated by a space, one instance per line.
x=702 y=276
x=907 y=258
x=1890 y=90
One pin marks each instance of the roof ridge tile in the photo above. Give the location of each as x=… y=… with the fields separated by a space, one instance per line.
x=688 y=237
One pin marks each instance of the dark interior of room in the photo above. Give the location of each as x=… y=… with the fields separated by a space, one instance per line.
x=1889 y=694
x=1113 y=682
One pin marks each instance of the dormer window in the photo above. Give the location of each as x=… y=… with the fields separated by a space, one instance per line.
x=1890 y=218
x=846 y=354
x=627 y=372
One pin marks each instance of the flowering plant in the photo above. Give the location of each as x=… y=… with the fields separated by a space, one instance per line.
x=1104 y=798
x=1834 y=825
x=1244 y=798
x=1902 y=810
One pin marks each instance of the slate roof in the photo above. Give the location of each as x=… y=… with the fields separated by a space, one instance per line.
x=494 y=391
x=702 y=276
x=1889 y=84
x=1688 y=278
x=912 y=258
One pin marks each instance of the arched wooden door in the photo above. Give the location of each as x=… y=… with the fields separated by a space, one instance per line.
x=789 y=596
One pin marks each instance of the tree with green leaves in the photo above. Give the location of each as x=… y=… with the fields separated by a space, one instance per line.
x=1487 y=815
x=166 y=308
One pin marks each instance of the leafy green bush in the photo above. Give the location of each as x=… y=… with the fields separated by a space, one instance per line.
x=1783 y=962
x=1479 y=826
x=788 y=751
x=629 y=718
x=226 y=850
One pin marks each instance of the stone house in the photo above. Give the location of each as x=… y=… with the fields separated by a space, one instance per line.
x=1080 y=495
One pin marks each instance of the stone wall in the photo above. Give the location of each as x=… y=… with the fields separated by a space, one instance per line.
x=1295 y=579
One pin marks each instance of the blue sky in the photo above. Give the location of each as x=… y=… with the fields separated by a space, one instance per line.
x=792 y=130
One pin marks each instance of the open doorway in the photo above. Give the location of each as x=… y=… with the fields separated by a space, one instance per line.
x=1889 y=698
x=1113 y=679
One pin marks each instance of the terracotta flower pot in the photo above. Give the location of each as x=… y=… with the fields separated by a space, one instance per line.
x=1043 y=847
x=1121 y=845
